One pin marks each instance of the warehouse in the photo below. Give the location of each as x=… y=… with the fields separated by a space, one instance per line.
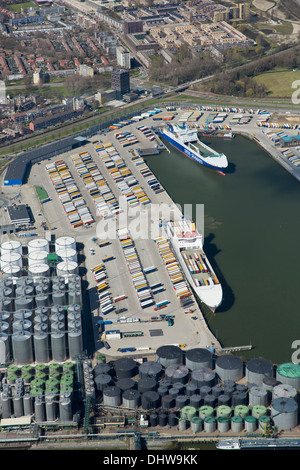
x=19 y=214
x=18 y=170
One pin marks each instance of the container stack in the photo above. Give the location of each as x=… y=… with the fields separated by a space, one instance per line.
x=139 y=280
x=173 y=268
x=104 y=199
x=69 y=194
x=122 y=176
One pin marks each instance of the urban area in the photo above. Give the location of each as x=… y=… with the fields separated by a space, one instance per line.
x=105 y=281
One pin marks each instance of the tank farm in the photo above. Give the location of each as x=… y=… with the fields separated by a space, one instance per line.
x=46 y=375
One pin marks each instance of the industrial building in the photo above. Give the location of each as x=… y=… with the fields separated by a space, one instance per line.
x=289 y=141
x=19 y=168
x=19 y=214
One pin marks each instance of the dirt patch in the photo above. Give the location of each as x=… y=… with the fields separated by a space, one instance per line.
x=292 y=119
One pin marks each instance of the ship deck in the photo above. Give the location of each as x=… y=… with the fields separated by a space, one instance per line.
x=204 y=152
x=198 y=266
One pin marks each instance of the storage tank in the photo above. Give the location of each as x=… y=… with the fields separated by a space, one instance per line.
x=146 y=384
x=258 y=411
x=5 y=348
x=210 y=424
x=24 y=303
x=103 y=381
x=41 y=347
x=195 y=400
x=196 y=424
x=205 y=411
x=39 y=408
x=167 y=402
x=223 y=410
x=131 y=399
x=150 y=400
x=223 y=424
x=168 y=355
x=289 y=373
x=67 y=268
x=188 y=412
x=65 y=242
x=67 y=254
x=22 y=348
x=258 y=396
x=237 y=424
x=11 y=271
x=58 y=346
x=37 y=257
x=284 y=412
x=229 y=367
x=177 y=373
x=191 y=389
x=198 y=357
x=51 y=406
x=11 y=259
x=38 y=244
x=102 y=368
x=11 y=246
x=257 y=369
x=250 y=423
x=203 y=376
x=27 y=404
x=151 y=369
x=38 y=270
x=125 y=367
x=284 y=390
x=181 y=401
x=241 y=410
x=65 y=409
x=239 y=398
x=112 y=396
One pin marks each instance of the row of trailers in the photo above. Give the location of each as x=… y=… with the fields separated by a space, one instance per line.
x=285 y=152
x=69 y=195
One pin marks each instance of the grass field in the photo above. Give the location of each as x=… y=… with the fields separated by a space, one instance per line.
x=17 y=6
x=279 y=82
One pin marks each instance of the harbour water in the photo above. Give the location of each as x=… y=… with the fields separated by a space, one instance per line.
x=252 y=229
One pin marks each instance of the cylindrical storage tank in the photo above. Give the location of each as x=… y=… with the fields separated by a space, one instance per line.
x=18 y=405
x=168 y=402
x=237 y=423
x=250 y=423
x=125 y=368
x=67 y=268
x=65 y=409
x=131 y=399
x=38 y=244
x=258 y=396
x=257 y=369
x=210 y=424
x=7 y=405
x=103 y=368
x=210 y=400
x=112 y=396
x=59 y=298
x=65 y=242
x=11 y=271
x=191 y=389
x=216 y=390
x=181 y=401
x=162 y=391
x=42 y=300
x=22 y=325
x=24 y=303
x=173 y=392
x=74 y=296
x=263 y=422
x=258 y=411
x=180 y=387
x=27 y=404
x=229 y=367
x=284 y=391
x=153 y=420
x=22 y=348
x=39 y=270
x=5 y=348
x=177 y=373
x=204 y=390
x=198 y=357
x=58 y=346
x=241 y=410
x=223 y=424
x=224 y=399
x=11 y=246
x=284 y=412
x=67 y=255
x=39 y=408
x=75 y=343
x=150 y=369
x=41 y=347
x=50 y=406
x=188 y=412
x=195 y=400
x=146 y=384
x=196 y=424
x=182 y=424
x=203 y=376
x=37 y=257
x=103 y=381
x=172 y=419
x=11 y=259
x=168 y=355
x=162 y=419
x=125 y=384
x=289 y=373
x=150 y=400
x=239 y=398
x=223 y=410
x=268 y=384
x=205 y=411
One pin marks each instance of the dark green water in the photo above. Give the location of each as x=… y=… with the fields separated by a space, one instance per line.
x=252 y=238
